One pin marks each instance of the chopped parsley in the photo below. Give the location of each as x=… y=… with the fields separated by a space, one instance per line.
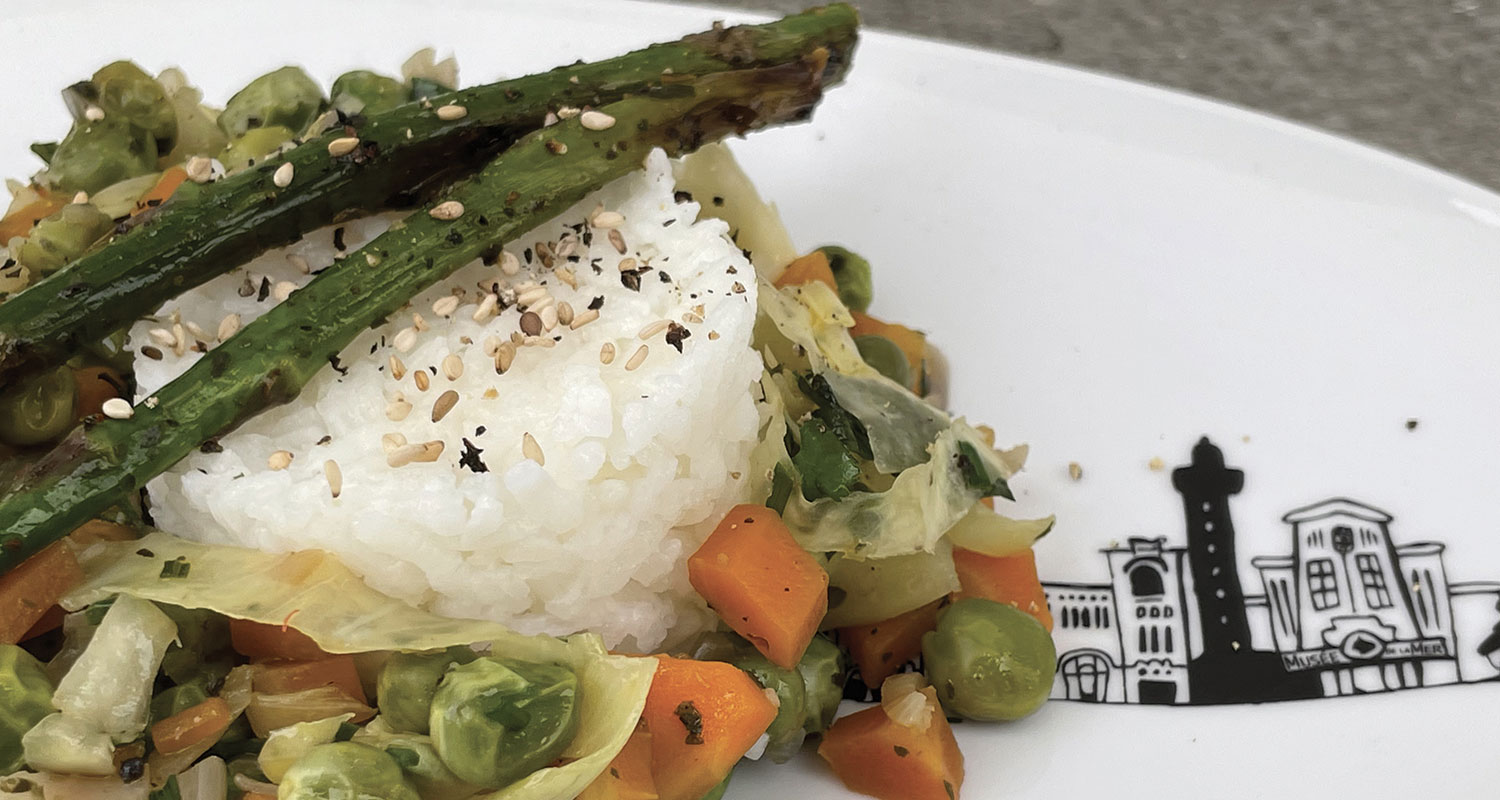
x=824 y=461
x=178 y=567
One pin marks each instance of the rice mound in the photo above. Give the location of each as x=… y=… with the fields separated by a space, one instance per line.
x=636 y=465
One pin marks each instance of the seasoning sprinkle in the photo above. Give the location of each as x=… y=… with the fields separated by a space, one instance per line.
x=450 y=113
x=445 y=403
x=652 y=329
x=637 y=358
x=453 y=367
x=531 y=323
x=691 y=318
x=334 y=476
x=422 y=381
x=486 y=307
x=405 y=339
x=282 y=177
x=607 y=353
x=117 y=408
x=509 y=264
x=596 y=120
x=583 y=319
x=448 y=210
x=279 y=460
x=556 y=148
x=342 y=146
x=565 y=313
x=618 y=240
x=712 y=335
x=445 y=306
x=739 y=288
x=532 y=450
x=397 y=409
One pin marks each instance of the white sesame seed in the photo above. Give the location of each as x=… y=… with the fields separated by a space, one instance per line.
x=421 y=379
x=568 y=112
x=93 y=113
x=618 y=240
x=405 y=340
x=607 y=219
x=445 y=306
x=566 y=275
x=505 y=355
x=445 y=403
x=397 y=409
x=199 y=169
x=391 y=442
x=509 y=264
x=161 y=336
x=449 y=113
x=447 y=210
x=549 y=120
x=516 y=337
x=117 y=408
x=80 y=198
x=282 y=290
x=196 y=330
x=342 y=146
x=179 y=339
x=596 y=120
x=565 y=313
x=453 y=367
x=372 y=259
x=300 y=263
x=637 y=358
x=425 y=452
x=566 y=246
x=279 y=460
x=626 y=264
x=583 y=318
x=549 y=317
x=492 y=345
x=533 y=297
x=229 y=326
x=691 y=318
x=651 y=329
x=532 y=450
x=607 y=353
x=282 y=177
x=398 y=367
x=486 y=307
x=420 y=323
x=335 y=477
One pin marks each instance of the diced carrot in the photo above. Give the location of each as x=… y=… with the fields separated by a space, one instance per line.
x=874 y=755
x=257 y=796
x=1005 y=579
x=629 y=774
x=880 y=649
x=762 y=583
x=22 y=220
x=95 y=385
x=206 y=721
x=98 y=530
x=811 y=267
x=703 y=717
x=165 y=187
x=285 y=677
x=50 y=621
x=31 y=589
x=258 y=640
x=912 y=343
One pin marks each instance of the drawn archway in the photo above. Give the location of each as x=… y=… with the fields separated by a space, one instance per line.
x=1085 y=675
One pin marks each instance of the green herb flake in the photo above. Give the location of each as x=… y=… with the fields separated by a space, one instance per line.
x=781 y=489
x=901 y=752
x=176 y=568
x=827 y=467
x=406 y=758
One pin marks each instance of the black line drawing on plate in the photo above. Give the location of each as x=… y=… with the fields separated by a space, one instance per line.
x=1347 y=611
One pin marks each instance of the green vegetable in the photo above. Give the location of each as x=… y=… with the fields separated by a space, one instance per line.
x=870 y=590
x=426 y=89
x=110 y=685
x=989 y=661
x=40 y=410
x=202 y=652
x=69 y=744
x=852 y=274
x=96 y=154
x=346 y=771
x=198 y=132
x=418 y=759
x=823 y=670
x=175 y=700
x=883 y=354
x=25 y=699
x=44 y=150
x=61 y=238
x=124 y=92
x=495 y=720
x=824 y=462
x=717 y=793
x=167 y=252
x=285 y=97
x=168 y=791
x=786 y=732
x=364 y=92
x=408 y=682
x=247 y=765
x=254 y=145
x=271 y=359
x=286 y=746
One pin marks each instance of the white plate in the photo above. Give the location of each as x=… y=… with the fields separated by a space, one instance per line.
x=1114 y=271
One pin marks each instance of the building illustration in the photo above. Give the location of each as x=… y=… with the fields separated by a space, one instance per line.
x=1347 y=610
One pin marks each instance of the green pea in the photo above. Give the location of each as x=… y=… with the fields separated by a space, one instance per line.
x=852 y=274
x=786 y=732
x=100 y=153
x=883 y=354
x=989 y=661
x=495 y=721
x=125 y=91
x=420 y=761
x=346 y=771
x=38 y=410
x=285 y=97
x=366 y=92
x=254 y=145
x=25 y=698
x=408 y=682
x=823 y=669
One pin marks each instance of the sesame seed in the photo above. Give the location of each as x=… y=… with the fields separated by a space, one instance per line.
x=739 y=288
x=486 y=307
x=691 y=318
x=491 y=345
x=596 y=120
x=397 y=409
x=448 y=210
x=509 y=264
x=424 y=453
x=342 y=146
x=549 y=120
x=491 y=393
x=606 y=219
x=627 y=264
x=556 y=148
x=420 y=323
x=445 y=306
x=80 y=198
x=93 y=113
x=335 y=477
x=652 y=329
x=405 y=339
x=505 y=355
x=565 y=313
x=229 y=326
x=420 y=376
x=531 y=323
x=532 y=297
x=179 y=339
x=1075 y=470
x=712 y=335
x=566 y=276
x=637 y=358
x=196 y=330
x=161 y=336
x=573 y=79
x=398 y=367
x=153 y=401
x=589 y=315
x=151 y=352
x=532 y=450
x=372 y=259
x=300 y=263
x=445 y=403
x=279 y=460
x=117 y=408
x=453 y=367
x=449 y=113
x=549 y=317
x=618 y=240
x=607 y=353
x=282 y=290
x=391 y=442
x=568 y=112
x=199 y=169
x=516 y=337
x=282 y=177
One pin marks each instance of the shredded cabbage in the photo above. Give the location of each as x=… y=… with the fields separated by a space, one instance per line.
x=109 y=687
x=723 y=190
x=285 y=745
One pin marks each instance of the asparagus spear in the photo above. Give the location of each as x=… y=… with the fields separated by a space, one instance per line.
x=270 y=360
x=401 y=155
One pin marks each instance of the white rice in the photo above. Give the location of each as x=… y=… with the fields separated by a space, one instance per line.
x=639 y=465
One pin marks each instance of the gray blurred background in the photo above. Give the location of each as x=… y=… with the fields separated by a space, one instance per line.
x=1419 y=77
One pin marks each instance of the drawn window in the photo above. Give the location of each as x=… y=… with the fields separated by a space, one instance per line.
x=1143 y=639
x=1376 y=593
x=1155 y=640
x=1322 y=586
x=1105 y=624
x=1167 y=644
x=1146 y=582
x=1419 y=590
x=1343 y=538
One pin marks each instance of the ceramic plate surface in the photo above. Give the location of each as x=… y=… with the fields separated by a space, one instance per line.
x=1270 y=352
